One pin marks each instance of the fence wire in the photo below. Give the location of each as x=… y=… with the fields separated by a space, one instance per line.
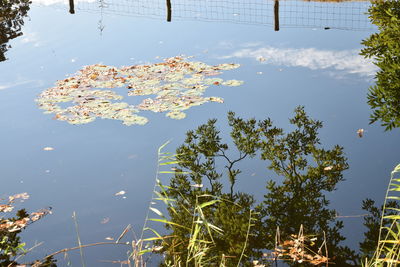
x=346 y=15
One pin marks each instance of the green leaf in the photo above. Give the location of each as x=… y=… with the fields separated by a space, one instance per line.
x=396 y=169
x=209 y=203
x=169 y=163
x=159 y=213
x=168 y=222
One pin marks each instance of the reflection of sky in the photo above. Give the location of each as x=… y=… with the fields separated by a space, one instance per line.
x=92 y=162
x=54 y=2
x=348 y=61
x=304 y=14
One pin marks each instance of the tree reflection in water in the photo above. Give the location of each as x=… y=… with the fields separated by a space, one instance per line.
x=384 y=48
x=12 y=13
x=207 y=174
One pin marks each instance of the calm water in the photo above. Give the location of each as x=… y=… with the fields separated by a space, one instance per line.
x=312 y=61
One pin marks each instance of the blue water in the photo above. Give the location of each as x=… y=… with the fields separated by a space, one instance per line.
x=304 y=65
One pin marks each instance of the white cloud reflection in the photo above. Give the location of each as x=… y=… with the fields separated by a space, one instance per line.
x=347 y=61
x=5 y=86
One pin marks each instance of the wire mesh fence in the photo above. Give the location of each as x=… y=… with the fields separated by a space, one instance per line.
x=339 y=14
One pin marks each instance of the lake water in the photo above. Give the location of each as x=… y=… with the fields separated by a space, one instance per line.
x=312 y=61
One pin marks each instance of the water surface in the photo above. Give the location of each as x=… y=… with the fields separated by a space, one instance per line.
x=312 y=61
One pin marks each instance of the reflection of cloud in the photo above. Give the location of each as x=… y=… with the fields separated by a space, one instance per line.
x=18 y=83
x=30 y=37
x=251 y=44
x=225 y=45
x=54 y=2
x=346 y=60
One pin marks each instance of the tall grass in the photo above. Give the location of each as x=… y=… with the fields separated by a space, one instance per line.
x=201 y=231
x=388 y=247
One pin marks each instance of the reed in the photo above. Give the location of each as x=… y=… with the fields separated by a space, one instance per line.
x=201 y=232
x=388 y=248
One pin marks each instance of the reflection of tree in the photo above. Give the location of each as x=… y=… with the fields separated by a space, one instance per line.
x=11 y=225
x=384 y=47
x=12 y=13
x=202 y=151
x=307 y=172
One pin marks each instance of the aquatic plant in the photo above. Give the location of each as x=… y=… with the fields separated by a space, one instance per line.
x=176 y=84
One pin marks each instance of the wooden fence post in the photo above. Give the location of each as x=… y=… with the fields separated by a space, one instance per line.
x=71 y=7
x=169 y=10
x=276 y=15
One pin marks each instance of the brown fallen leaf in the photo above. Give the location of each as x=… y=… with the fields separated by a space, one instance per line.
x=360 y=132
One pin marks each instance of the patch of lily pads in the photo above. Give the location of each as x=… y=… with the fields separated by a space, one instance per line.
x=174 y=85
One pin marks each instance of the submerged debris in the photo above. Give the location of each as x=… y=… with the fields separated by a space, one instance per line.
x=175 y=85
x=300 y=248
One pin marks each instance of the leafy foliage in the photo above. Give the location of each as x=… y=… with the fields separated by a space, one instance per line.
x=307 y=171
x=384 y=47
x=230 y=211
x=10 y=243
x=12 y=13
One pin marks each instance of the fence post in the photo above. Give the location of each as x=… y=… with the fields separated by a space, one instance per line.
x=276 y=15
x=169 y=11
x=71 y=7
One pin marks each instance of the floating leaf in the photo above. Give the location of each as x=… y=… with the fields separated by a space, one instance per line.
x=21 y=197
x=177 y=115
x=232 y=83
x=360 y=132
x=6 y=208
x=216 y=99
x=120 y=193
